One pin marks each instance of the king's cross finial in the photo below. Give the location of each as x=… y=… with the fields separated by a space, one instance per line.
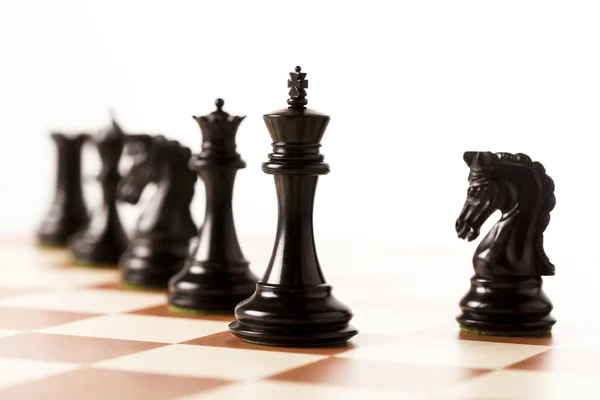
x=297 y=85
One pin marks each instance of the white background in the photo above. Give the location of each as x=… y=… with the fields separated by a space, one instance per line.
x=409 y=86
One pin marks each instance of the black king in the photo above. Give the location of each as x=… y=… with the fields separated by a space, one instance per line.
x=216 y=276
x=293 y=305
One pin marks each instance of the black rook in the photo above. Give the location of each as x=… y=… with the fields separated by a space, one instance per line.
x=68 y=212
x=293 y=304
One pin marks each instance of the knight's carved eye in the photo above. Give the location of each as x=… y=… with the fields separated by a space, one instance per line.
x=473 y=191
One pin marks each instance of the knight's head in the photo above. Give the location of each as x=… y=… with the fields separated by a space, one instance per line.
x=140 y=149
x=483 y=194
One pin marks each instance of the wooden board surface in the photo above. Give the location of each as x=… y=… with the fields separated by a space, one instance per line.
x=75 y=333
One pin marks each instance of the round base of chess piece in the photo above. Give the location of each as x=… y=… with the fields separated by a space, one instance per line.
x=57 y=233
x=191 y=311
x=506 y=307
x=98 y=252
x=308 y=316
x=60 y=225
x=46 y=242
x=151 y=263
x=211 y=288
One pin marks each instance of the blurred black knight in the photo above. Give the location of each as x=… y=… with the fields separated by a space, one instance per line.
x=160 y=243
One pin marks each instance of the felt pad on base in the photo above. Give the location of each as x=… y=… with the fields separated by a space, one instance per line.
x=538 y=333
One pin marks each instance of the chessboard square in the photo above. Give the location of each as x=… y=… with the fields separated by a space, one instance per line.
x=140 y=327
x=450 y=352
x=30 y=319
x=68 y=349
x=44 y=276
x=6 y=291
x=98 y=384
x=211 y=362
x=298 y=391
x=519 y=385
x=378 y=321
x=16 y=371
x=86 y=300
x=24 y=255
x=559 y=359
x=165 y=310
x=8 y=332
x=452 y=330
x=369 y=374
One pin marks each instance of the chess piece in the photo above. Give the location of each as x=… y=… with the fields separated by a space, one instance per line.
x=102 y=241
x=68 y=212
x=506 y=296
x=161 y=241
x=293 y=305
x=216 y=276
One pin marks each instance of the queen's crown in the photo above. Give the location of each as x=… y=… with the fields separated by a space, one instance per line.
x=219 y=127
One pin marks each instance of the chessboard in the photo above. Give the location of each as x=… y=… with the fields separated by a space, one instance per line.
x=70 y=332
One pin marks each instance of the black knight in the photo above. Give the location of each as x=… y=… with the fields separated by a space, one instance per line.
x=506 y=296
x=161 y=241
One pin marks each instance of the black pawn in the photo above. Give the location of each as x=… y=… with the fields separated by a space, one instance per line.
x=216 y=276
x=161 y=240
x=103 y=240
x=293 y=304
x=68 y=212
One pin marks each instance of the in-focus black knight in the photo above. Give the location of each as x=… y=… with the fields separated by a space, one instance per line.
x=506 y=294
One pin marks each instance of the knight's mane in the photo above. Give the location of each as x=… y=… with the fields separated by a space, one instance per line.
x=174 y=147
x=548 y=201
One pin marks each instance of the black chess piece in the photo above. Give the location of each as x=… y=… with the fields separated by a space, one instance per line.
x=293 y=304
x=216 y=276
x=161 y=241
x=506 y=296
x=68 y=212
x=102 y=241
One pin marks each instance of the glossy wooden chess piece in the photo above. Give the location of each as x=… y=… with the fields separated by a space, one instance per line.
x=293 y=305
x=102 y=241
x=68 y=212
x=506 y=296
x=160 y=244
x=216 y=276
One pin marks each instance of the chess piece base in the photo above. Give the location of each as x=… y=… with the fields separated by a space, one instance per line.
x=57 y=233
x=293 y=317
x=510 y=307
x=45 y=242
x=97 y=252
x=190 y=311
x=152 y=263
x=214 y=288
